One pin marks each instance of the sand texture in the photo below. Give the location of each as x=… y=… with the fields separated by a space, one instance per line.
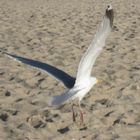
x=58 y=32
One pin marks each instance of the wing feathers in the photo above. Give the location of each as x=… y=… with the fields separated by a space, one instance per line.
x=87 y=61
x=55 y=72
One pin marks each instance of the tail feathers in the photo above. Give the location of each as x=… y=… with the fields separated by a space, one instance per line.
x=61 y=99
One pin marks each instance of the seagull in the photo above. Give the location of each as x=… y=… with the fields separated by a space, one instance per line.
x=77 y=87
x=84 y=81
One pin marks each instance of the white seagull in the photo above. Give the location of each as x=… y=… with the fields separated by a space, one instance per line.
x=81 y=85
x=84 y=81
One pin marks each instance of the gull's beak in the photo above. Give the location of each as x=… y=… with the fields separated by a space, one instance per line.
x=99 y=81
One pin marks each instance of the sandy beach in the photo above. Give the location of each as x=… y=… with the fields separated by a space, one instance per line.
x=58 y=32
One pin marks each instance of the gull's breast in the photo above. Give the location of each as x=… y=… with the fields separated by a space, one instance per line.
x=81 y=93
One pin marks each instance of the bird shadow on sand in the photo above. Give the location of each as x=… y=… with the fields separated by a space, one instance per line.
x=60 y=75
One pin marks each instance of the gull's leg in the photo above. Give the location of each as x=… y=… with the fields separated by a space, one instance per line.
x=74 y=115
x=81 y=113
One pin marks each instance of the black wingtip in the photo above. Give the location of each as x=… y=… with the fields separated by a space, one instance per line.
x=110 y=14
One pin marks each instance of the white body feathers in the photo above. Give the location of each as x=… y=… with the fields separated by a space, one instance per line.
x=84 y=81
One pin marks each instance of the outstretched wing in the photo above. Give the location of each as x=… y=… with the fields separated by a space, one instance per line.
x=87 y=61
x=60 y=75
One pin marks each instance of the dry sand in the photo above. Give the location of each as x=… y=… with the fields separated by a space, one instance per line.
x=58 y=32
